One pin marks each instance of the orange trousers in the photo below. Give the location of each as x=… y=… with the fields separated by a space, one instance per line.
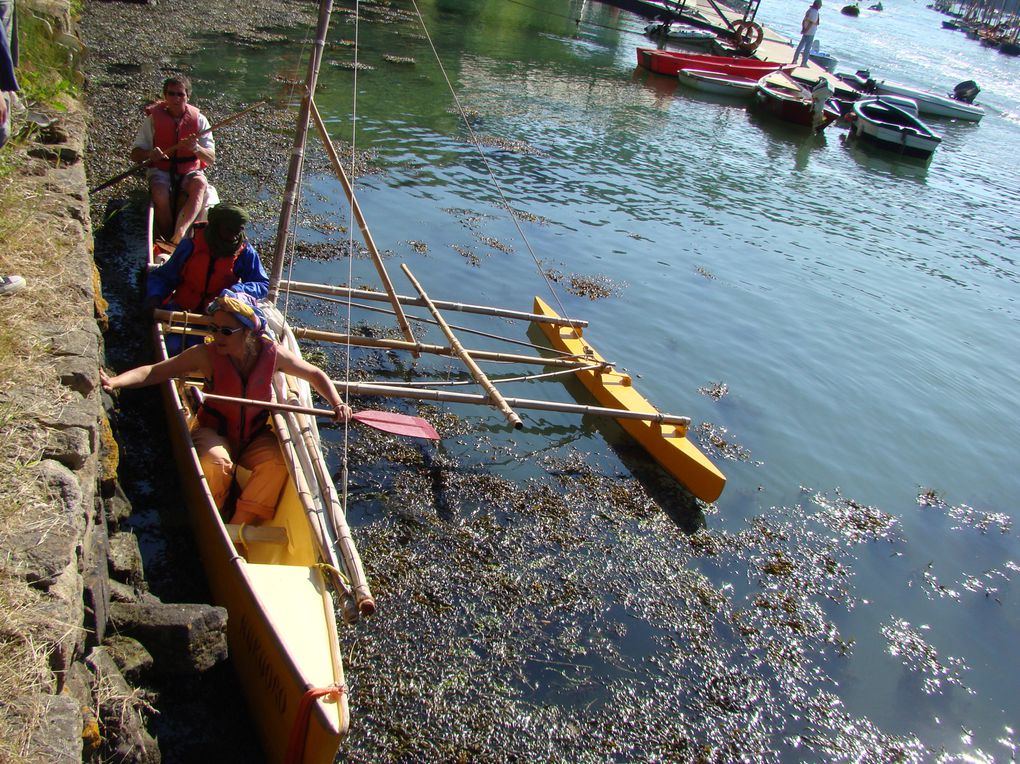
x=263 y=457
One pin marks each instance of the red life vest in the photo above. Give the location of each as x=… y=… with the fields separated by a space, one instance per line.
x=239 y=424
x=168 y=132
x=203 y=276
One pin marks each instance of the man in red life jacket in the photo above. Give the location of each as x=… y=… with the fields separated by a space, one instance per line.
x=218 y=257
x=175 y=141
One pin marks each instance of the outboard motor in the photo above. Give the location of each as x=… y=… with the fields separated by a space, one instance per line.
x=966 y=91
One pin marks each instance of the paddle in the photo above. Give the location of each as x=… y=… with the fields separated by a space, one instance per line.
x=397 y=424
x=139 y=165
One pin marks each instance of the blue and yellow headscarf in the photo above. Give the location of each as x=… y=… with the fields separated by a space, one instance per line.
x=243 y=307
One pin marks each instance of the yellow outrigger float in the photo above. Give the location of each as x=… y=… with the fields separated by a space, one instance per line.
x=668 y=443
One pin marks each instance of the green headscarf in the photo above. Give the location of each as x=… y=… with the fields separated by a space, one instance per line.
x=225 y=232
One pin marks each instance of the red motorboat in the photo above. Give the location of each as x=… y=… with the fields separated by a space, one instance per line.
x=670 y=62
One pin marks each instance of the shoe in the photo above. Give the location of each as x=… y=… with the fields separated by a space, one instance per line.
x=11 y=284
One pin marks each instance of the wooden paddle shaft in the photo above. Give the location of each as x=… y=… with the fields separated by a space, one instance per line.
x=271 y=405
x=417 y=393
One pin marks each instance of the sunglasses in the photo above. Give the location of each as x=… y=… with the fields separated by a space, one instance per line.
x=177 y=93
x=226 y=331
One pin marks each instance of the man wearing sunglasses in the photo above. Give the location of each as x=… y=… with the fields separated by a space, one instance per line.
x=176 y=141
x=218 y=257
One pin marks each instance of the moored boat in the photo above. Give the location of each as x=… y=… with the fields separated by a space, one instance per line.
x=668 y=444
x=671 y=62
x=956 y=105
x=719 y=83
x=679 y=32
x=778 y=94
x=892 y=123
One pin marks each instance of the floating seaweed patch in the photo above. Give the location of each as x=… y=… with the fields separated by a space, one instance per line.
x=593 y=287
x=467 y=254
x=929 y=497
x=398 y=59
x=932 y=585
x=328 y=251
x=980 y=519
x=853 y=521
x=966 y=514
x=506 y=144
x=530 y=217
x=907 y=644
x=419 y=246
x=704 y=272
x=714 y=390
x=497 y=244
x=713 y=437
x=352 y=66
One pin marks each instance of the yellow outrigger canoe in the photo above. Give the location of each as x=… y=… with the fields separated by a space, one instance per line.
x=667 y=443
x=272 y=578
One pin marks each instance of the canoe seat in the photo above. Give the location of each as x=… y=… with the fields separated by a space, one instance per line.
x=262 y=534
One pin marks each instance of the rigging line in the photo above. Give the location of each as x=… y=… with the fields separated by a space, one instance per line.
x=496 y=380
x=488 y=167
x=467 y=330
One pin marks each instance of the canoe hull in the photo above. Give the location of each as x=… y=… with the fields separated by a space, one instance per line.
x=670 y=63
x=273 y=676
x=675 y=452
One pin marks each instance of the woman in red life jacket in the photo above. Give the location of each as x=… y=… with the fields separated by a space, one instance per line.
x=237 y=360
x=176 y=142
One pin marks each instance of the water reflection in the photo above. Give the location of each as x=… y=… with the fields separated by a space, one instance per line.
x=886 y=163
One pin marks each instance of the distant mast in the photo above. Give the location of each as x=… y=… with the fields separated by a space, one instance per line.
x=297 y=155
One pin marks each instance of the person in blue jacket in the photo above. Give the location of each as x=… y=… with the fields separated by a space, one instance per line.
x=218 y=257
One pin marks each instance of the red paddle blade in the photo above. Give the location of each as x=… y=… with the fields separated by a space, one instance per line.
x=398 y=424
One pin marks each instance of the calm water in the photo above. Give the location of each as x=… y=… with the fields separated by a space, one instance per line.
x=862 y=310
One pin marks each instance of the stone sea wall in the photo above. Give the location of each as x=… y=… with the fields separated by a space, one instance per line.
x=108 y=640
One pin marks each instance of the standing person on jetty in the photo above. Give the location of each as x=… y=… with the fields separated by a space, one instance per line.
x=808 y=27
x=175 y=140
x=238 y=360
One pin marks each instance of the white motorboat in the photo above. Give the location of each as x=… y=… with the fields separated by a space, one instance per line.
x=892 y=123
x=933 y=103
x=719 y=83
x=679 y=32
x=955 y=105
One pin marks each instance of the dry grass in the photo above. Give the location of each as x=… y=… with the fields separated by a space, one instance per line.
x=30 y=245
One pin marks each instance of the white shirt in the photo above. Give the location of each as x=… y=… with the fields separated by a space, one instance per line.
x=810 y=21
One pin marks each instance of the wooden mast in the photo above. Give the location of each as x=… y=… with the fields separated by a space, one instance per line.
x=297 y=154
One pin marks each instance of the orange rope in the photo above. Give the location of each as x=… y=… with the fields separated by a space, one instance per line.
x=299 y=731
